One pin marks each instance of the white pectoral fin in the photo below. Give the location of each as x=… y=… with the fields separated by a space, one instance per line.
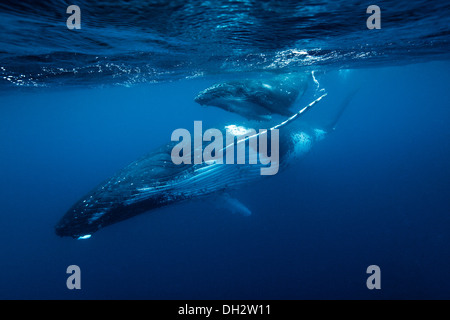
x=235 y=206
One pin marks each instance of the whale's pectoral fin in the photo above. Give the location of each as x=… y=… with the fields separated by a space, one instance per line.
x=231 y=204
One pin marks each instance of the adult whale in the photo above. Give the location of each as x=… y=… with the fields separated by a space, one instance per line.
x=155 y=181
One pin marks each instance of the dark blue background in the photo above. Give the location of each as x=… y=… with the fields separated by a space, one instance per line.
x=376 y=191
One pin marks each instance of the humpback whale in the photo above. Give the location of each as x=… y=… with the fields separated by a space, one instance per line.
x=154 y=181
x=256 y=99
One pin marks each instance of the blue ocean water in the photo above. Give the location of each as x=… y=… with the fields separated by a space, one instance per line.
x=78 y=105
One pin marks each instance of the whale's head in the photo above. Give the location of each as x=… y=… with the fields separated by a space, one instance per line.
x=215 y=94
x=109 y=203
x=131 y=191
x=82 y=219
x=230 y=96
x=105 y=205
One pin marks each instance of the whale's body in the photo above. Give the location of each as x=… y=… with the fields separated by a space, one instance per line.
x=155 y=181
x=257 y=99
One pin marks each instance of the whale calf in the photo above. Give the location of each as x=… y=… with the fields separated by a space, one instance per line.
x=257 y=99
x=154 y=181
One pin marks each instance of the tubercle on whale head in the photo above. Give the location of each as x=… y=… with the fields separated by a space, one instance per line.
x=85 y=217
x=70 y=227
x=203 y=97
x=199 y=99
x=210 y=95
